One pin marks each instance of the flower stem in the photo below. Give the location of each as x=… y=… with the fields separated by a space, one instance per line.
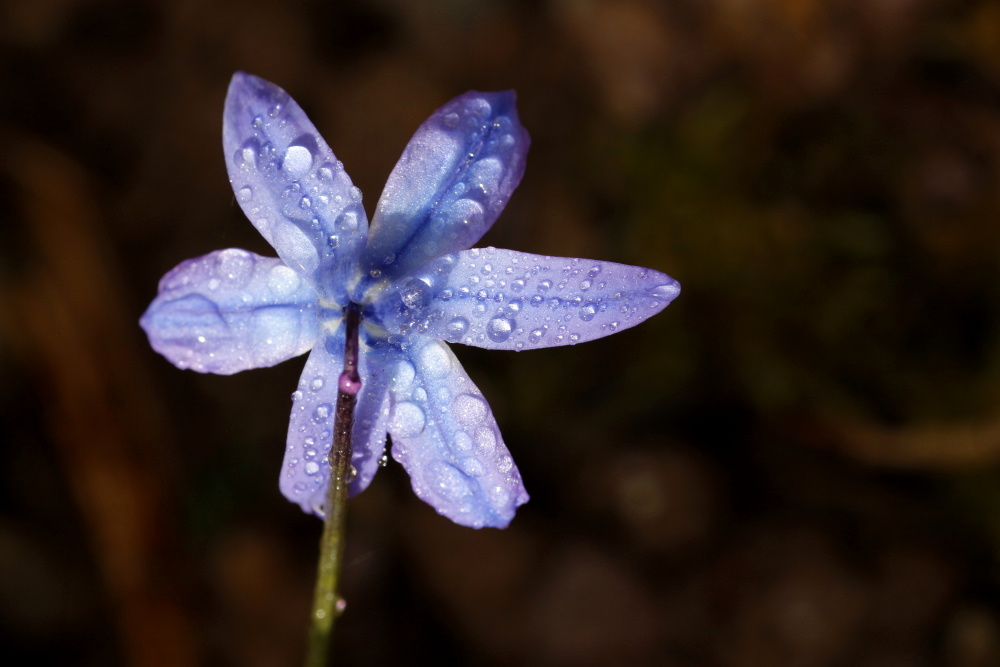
x=327 y=603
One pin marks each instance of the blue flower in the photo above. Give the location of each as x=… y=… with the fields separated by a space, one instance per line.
x=417 y=284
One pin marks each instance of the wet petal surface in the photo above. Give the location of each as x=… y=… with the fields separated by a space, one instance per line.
x=508 y=300
x=449 y=186
x=291 y=186
x=231 y=310
x=444 y=434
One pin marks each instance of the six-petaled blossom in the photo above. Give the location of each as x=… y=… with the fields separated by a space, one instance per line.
x=415 y=281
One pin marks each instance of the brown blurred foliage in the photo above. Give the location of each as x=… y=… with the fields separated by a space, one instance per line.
x=797 y=464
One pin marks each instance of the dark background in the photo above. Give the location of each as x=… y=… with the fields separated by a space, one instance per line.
x=797 y=463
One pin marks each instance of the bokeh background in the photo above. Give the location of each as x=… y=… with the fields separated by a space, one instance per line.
x=797 y=464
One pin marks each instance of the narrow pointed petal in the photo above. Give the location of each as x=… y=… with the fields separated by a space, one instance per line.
x=508 y=300
x=291 y=186
x=444 y=434
x=449 y=186
x=305 y=472
x=371 y=415
x=306 y=468
x=229 y=311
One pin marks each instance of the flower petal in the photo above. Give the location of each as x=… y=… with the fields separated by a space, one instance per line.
x=229 y=311
x=508 y=300
x=306 y=469
x=444 y=434
x=291 y=186
x=449 y=186
x=371 y=414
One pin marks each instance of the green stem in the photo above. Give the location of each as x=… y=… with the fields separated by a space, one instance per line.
x=327 y=603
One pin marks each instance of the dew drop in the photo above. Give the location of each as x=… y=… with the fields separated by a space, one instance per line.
x=463 y=441
x=666 y=291
x=316 y=384
x=499 y=328
x=282 y=280
x=234 y=266
x=585 y=285
x=312 y=468
x=322 y=412
x=472 y=467
x=297 y=161
x=402 y=375
x=325 y=173
x=536 y=335
x=407 y=420
x=469 y=409
x=347 y=222
x=245 y=194
x=512 y=309
x=456 y=328
x=486 y=440
x=588 y=311
x=415 y=294
x=450 y=120
x=517 y=285
x=246 y=156
x=544 y=286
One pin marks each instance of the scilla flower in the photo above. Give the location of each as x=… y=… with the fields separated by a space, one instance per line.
x=414 y=281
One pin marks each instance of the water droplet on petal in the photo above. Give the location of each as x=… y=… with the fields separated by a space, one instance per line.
x=312 y=468
x=585 y=285
x=415 y=294
x=246 y=156
x=407 y=420
x=245 y=194
x=456 y=328
x=234 y=266
x=316 y=384
x=462 y=441
x=486 y=440
x=667 y=291
x=446 y=481
x=401 y=376
x=588 y=311
x=469 y=409
x=435 y=360
x=544 y=286
x=297 y=161
x=499 y=328
x=282 y=280
x=513 y=308
x=347 y=222
x=322 y=412
x=536 y=336
x=450 y=120
x=472 y=467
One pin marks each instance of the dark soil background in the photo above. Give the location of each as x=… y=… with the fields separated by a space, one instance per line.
x=796 y=464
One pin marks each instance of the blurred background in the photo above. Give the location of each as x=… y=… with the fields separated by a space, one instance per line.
x=798 y=463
